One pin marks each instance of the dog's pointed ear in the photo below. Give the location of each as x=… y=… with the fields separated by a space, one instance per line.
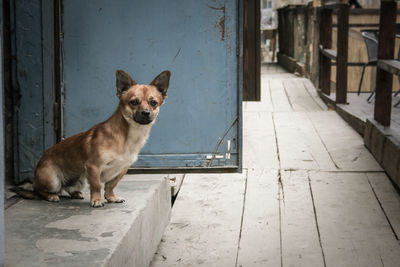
x=162 y=82
x=124 y=82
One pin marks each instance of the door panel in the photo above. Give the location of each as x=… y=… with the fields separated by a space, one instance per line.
x=32 y=84
x=196 y=40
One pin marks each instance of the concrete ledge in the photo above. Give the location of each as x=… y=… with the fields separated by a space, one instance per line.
x=71 y=233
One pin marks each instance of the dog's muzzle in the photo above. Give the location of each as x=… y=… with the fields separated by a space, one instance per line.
x=143 y=116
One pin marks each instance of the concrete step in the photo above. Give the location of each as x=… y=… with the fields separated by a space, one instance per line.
x=71 y=233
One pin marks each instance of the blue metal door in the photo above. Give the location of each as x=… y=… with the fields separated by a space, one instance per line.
x=199 y=124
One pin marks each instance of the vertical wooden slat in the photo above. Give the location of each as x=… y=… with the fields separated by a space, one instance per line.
x=325 y=39
x=342 y=51
x=387 y=27
x=251 y=51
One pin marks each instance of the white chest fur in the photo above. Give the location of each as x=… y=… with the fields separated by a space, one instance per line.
x=117 y=162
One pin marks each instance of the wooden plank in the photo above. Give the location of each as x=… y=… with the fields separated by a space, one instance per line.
x=390 y=65
x=300 y=241
x=388 y=198
x=330 y=53
x=300 y=147
x=259 y=144
x=353 y=228
x=205 y=222
x=280 y=101
x=342 y=52
x=325 y=35
x=260 y=239
x=344 y=145
x=332 y=5
x=387 y=30
x=299 y=96
x=314 y=93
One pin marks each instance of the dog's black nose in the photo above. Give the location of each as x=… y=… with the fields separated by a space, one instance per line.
x=145 y=113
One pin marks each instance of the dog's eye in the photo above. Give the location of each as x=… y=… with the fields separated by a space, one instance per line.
x=134 y=102
x=153 y=103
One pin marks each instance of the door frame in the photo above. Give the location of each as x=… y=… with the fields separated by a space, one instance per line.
x=251 y=51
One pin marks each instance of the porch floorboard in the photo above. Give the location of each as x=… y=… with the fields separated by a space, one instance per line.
x=310 y=193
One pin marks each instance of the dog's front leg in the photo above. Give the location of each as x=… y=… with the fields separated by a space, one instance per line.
x=109 y=188
x=93 y=176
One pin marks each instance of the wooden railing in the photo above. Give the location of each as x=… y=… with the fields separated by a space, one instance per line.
x=327 y=53
x=386 y=66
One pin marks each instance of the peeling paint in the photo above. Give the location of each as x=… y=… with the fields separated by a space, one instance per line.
x=220 y=25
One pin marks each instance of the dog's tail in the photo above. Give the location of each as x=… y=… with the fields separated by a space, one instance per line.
x=27 y=193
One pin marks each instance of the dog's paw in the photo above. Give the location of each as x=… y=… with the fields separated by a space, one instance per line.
x=96 y=203
x=115 y=200
x=53 y=198
x=77 y=195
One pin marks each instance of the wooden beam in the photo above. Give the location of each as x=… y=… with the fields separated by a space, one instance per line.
x=325 y=40
x=384 y=79
x=342 y=52
x=390 y=65
x=332 y=54
x=251 y=51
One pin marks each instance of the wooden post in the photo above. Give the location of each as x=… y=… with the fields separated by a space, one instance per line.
x=325 y=39
x=251 y=51
x=387 y=29
x=342 y=51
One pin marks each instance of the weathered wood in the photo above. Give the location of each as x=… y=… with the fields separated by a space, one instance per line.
x=259 y=145
x=332 y=54
x=387 y=30
x=300 y=240
x=280 y=101
x=314 y=93
x=300 y=147
x=309 y=217
x=344 y=145
x=353 y=228
x=299 y=96
x=388 y=198
x=205 y=224
x=342 y=52
x=260 y=239
x=390 y=65
x=251 y=51
x=325 y=35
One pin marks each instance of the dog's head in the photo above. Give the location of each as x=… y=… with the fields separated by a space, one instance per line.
x=141 y=103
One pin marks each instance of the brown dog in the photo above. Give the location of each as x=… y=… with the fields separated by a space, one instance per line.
x=105 y=152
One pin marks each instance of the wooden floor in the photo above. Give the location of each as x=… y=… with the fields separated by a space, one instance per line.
x=310 y=193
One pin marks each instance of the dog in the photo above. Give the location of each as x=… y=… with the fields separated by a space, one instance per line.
x=104 y=153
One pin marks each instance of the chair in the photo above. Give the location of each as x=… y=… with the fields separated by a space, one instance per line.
x=398 y=77
x=371 y=42
x=398 y=102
